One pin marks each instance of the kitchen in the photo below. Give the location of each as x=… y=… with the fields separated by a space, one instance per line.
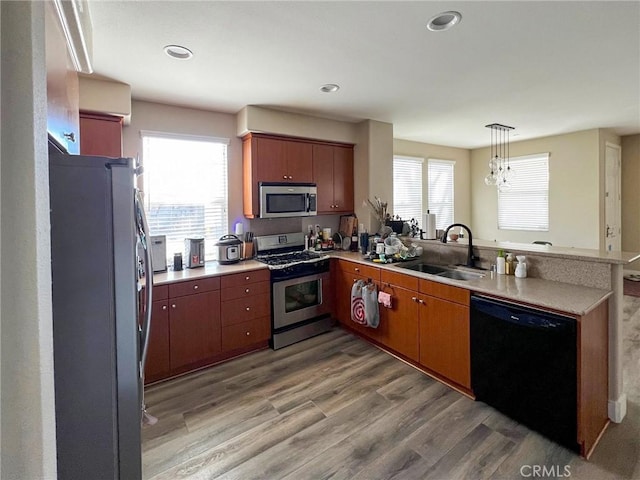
x=227 y=128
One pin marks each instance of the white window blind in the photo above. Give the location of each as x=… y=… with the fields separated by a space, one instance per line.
x=407 y=187
x=526 y=205
x=185 y=188
x=440 y=176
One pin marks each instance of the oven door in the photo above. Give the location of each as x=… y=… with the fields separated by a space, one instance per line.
x=299 y=299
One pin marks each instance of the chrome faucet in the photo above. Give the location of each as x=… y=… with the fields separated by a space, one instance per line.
x=470 y=257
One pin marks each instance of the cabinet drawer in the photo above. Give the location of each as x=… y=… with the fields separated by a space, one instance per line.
x=244 y=309
x=160 y=292
x=366 y=271
x=445 y=292
x=181 y=289
x=399 y=280
x=241 y=279
x=243 y=291
x=246 y=333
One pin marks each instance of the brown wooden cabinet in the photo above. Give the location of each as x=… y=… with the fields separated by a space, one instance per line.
x=194 y=323
x=333 y=175
x=157 y=365
x=245 y=309
x=444 y=339
x=272 y=158
x=101 y=135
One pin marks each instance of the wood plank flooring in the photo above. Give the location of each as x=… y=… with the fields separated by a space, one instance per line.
x=336 y=407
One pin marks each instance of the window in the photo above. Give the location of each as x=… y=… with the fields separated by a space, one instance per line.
x=440 y=175
x=526 y=205
x=185 y=188
x=407 y=187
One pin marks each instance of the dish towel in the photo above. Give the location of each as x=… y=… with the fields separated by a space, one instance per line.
x=385 y=299
x=358 y=314
x=370 y=297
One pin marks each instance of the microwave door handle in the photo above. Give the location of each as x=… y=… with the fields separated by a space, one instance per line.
x=143 y=233
x=308 y=201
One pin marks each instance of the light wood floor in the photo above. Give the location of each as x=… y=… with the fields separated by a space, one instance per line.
x=336 y=407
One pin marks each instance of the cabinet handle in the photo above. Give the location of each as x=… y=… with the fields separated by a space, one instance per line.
x=195 y=287
x=246 y=290
x=414 y=299
x=421 y=301
x=247 y=278
x=248 y=309
x=70 y=136
x=290 y=177
x=173 y=305
x=248 y=333
x=164 y=307
x=284 y=176
x=356 y=269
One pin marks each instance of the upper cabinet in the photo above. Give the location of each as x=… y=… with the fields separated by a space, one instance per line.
x=333 y=174
x=63 y=123
x=101 y=135
x=271 y=158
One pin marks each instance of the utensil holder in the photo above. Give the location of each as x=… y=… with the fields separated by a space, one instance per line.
x=247 y=250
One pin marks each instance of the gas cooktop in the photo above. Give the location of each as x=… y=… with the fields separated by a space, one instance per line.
x=290 y=258
x=285 y=250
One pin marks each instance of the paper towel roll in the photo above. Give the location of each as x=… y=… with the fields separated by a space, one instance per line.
x=430 y=226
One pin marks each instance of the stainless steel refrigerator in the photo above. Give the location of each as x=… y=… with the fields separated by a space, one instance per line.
x=99 y=341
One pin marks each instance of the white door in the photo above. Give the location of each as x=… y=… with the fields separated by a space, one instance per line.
x=612 y=209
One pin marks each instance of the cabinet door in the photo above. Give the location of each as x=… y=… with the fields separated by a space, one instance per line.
x=444 y=340
x=271 y=164
x=158 y=366
x=299 y=159
x=398 y=328
x=342 y=179
x=194 y=328
x=323 y=177
x=101 y=135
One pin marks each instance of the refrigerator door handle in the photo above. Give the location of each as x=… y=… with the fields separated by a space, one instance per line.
x=143 y=233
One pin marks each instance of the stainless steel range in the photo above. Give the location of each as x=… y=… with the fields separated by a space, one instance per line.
x=299 y=288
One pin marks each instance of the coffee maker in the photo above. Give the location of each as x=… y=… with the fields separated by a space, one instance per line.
x=194 y=252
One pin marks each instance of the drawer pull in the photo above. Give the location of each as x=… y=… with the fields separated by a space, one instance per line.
x=248 y=309
x=173 y=305
x=246 y=290
x=247 y=277
x=248 y=333
x=164 y=307
x=356 y=269
x=414 y=299
x=421 y=301
x=195 y=287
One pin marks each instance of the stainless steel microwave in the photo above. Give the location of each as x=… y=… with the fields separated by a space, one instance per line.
x=288 y=200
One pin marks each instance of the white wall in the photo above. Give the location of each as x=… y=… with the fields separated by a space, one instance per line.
x=574 y=191
x=166 y=118
x=631 y=196
x=462 y=172
x=26 y=362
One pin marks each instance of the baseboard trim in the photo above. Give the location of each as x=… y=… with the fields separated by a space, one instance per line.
x=618 y=408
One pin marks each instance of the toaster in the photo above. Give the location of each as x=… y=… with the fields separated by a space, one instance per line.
x=194 y=252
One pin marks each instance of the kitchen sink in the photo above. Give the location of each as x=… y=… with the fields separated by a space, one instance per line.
x=426 y=268
x=442 y=271
x=460 y=275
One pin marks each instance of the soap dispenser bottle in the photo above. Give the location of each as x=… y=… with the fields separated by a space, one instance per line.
x=500 y=263
x=521 y=268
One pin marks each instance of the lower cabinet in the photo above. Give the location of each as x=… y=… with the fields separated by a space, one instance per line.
x=157 y=365
x=398 y=328
x=199 y=322
x=444 y=339
x=194 y=329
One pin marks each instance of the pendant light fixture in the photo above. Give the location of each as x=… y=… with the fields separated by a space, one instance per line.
x=500 y=172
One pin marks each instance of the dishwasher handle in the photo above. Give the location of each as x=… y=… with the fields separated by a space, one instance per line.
x=522 y=316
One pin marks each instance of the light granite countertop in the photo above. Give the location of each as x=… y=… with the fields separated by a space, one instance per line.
x=564 y=297
x=210 y=269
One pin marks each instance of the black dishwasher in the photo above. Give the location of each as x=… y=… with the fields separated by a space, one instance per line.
x=523 y=363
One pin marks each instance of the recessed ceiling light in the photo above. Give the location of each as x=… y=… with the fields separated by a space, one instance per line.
x=178 y=51
x=444 y=21
x=329 y=88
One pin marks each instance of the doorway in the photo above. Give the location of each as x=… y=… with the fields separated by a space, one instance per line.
x=612 y=205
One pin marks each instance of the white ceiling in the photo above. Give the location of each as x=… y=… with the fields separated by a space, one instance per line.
x=543 y=67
